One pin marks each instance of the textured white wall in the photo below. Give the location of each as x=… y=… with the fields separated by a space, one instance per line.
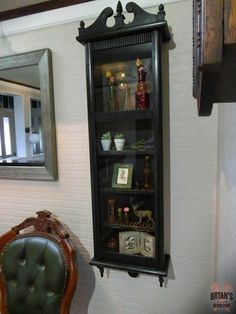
x=226 y=213
x=193 y=144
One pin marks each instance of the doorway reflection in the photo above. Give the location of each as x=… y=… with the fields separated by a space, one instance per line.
x=20 y=110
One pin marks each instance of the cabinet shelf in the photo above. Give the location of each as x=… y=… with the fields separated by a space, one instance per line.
x=123 y=115
x=125 y=152
x=133 y=270
x=132 y=226
x=126 y=191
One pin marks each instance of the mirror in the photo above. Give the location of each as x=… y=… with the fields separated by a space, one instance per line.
x=27 y=123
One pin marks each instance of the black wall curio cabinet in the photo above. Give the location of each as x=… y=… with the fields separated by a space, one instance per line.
x=124 y=87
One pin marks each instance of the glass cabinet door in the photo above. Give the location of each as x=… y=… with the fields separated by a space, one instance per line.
x=126 y=154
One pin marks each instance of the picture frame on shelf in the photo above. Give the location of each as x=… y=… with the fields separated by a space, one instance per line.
x=122 y=176
x=129 y=242
x=137 y=242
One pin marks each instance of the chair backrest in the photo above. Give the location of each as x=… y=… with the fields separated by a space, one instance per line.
x=38 y=270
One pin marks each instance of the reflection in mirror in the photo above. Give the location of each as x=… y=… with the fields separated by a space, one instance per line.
x=27 y=128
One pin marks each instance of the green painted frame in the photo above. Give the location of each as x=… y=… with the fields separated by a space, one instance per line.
x=127 y=176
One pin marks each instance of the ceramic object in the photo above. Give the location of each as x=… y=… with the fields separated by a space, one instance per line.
x=106 y=144
x=119 y=143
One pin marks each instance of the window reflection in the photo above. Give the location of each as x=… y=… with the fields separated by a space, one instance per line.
x=7 y=136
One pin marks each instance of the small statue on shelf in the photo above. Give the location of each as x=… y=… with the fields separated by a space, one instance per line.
x=142 y=214
x=142 y=97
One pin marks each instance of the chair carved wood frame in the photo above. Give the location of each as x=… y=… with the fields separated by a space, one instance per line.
x=44 y=249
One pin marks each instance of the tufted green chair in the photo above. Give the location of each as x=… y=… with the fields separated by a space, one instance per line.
x=38 y=270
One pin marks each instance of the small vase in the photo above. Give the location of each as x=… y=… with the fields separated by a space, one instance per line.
x=126 y=218
x=106 y=144
x=119 y=143
x=119 y=215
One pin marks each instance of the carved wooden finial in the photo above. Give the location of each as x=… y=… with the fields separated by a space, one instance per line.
x=43 y=223
x=161 y=7
x=119 y=8
x=82 y=24
x=119 y=17
x=44 y=214
x=161 y=10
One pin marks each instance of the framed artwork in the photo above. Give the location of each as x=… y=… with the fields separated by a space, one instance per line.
x=129 y=242
x=13 y=9
x=122 y=176
x=137 y=242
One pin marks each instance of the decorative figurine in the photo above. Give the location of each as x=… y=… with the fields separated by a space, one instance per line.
x=144 y=213
x=147 y=172
x=111 y=210
x=142 y=97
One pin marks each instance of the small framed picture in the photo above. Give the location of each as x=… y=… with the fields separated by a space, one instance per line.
x=129 y=242
x=122 y=176
x=137 y=242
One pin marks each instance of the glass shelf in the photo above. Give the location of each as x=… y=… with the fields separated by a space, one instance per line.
x=132 y=226
x=124 y=152
x=123 y=115
x=126 y=191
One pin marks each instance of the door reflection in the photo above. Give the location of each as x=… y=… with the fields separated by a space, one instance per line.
x=21 y=116
x=36 y=122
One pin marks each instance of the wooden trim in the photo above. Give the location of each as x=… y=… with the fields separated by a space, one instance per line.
x=212 y=32
x=36 y=8
x=17 y=83
x=47 y=171
x=229 y=22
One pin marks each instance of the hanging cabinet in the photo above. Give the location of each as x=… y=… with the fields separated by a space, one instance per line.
x=124 y=87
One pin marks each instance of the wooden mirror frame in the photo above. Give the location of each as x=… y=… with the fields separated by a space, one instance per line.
x=47 y=171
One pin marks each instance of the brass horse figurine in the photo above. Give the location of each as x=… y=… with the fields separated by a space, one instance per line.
x=144 y=213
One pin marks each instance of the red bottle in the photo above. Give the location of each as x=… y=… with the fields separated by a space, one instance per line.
x=142 y=96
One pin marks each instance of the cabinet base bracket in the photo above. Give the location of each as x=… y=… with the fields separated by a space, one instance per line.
x=134 y=270
x=133 y=274
x=161 y=280
x=101 y=269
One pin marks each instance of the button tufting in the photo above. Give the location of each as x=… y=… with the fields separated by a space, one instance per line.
x=14 y=282
x=31 y=287
x=50 y=293
x=22 y=262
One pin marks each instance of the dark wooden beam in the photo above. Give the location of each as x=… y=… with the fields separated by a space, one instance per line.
x=36 y=8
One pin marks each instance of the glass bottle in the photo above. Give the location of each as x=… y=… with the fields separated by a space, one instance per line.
x=142 y=96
